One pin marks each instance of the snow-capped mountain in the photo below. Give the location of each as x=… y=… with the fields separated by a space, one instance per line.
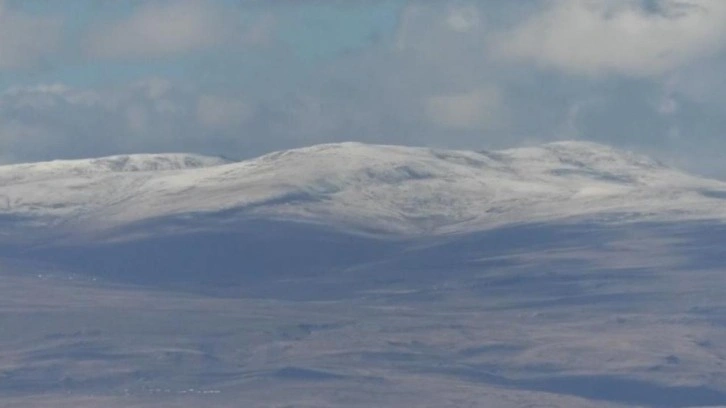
x=355 y=186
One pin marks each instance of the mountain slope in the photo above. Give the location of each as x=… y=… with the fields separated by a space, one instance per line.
x=354 y=186
x=162 y=283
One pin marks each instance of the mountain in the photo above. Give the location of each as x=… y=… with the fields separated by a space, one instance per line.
x=569 y=274
x=358 y=187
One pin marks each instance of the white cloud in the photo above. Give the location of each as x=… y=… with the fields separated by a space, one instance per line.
x=478 y=109
x=595 y=37
x=46 y=96
x=165 y=27
x=25 y=39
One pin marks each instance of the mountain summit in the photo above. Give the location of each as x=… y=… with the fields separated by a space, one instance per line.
x=360 y=187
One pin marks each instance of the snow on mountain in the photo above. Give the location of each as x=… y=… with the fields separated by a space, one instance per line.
x=20 y=173
x=364 y=187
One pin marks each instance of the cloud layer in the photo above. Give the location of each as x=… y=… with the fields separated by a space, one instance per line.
x=243 y=79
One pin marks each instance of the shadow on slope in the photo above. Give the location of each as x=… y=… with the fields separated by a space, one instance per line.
x=583 y=247
x=249 y=252
x=612 y=389
x=546 y=259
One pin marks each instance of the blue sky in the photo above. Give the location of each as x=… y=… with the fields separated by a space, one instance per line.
x=244 y=77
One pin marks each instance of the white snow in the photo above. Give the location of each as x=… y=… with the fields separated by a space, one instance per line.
x=357 y=186
x=19 y=173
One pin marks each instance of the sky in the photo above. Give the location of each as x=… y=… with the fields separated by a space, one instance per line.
x=240 y=78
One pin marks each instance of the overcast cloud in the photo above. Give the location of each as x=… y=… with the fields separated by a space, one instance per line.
x=246 y=78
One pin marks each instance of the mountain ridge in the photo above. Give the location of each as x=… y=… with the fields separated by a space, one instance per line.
x=114 y=164
x=399 y=189
x=211 y=160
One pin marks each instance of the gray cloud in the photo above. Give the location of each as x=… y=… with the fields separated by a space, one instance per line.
x=161 y=28
x=25 y=40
